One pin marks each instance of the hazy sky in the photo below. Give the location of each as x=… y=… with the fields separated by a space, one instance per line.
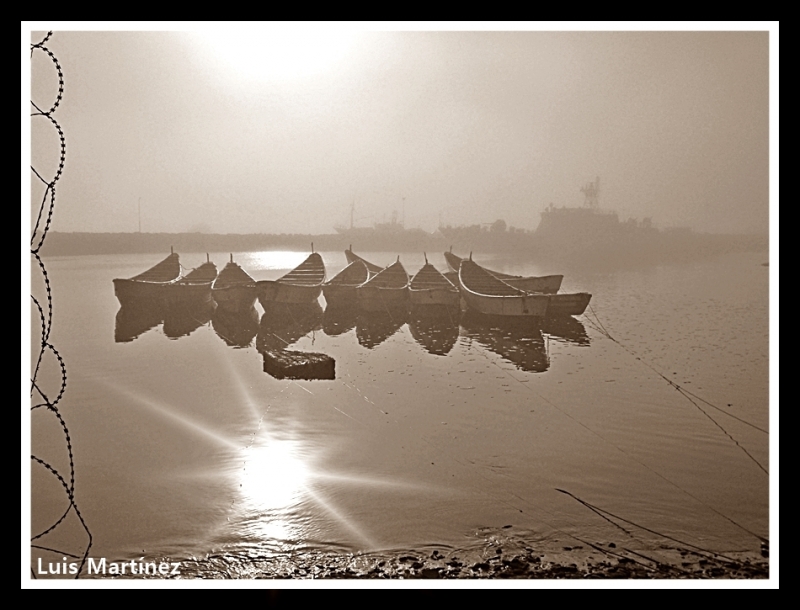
x=280 y=130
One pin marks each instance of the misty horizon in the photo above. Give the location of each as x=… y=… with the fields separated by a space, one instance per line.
x=179 y=131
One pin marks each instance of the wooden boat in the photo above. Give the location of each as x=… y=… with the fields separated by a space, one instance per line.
x=147 y=288
x=430 y=287
x=548 y=284
x=386 y=290
x=303 y=284
x=340 y=291
x=484 y=293
x=192 y=289
x=234 y=290
x=568 y=304
x=352 y=257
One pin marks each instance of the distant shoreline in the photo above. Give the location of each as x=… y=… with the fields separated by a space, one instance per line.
x=662 y=247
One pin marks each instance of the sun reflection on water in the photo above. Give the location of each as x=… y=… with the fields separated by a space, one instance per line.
x=277 y=260
x=279 y=481
x=274 y=475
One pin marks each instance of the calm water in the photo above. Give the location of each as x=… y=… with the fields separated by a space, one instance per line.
x=433 y=434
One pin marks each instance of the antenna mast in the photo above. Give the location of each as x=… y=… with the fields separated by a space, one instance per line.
x=591 y=191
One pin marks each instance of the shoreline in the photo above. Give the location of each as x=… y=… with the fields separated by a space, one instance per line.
x=589 y=561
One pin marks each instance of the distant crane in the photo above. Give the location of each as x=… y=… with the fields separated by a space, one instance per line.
x=591 y=191
x=352 y=211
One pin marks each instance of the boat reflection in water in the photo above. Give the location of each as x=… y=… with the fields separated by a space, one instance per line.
x=565 y=329
x=286 y=323
x=236 y=328
x=375 y=327
x=338 y=320
x=135 y=319
x=435 y=328
x=517 y=340
x=182 y=320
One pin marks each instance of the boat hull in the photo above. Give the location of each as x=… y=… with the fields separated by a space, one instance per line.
x=568 y=304
x=275 y=291
x=235 y=299
x=530 y=305
x=135 y=293
x=340 y=296
x=374 y=298
x=434 y=297
x=185 y=295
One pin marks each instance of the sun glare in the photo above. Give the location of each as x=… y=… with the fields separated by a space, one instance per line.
x=279 y=54
x=275 y=474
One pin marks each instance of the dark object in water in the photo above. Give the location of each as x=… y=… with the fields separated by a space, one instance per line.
x=288 y=364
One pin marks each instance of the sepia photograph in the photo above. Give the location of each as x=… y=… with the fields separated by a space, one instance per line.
x=399 y=305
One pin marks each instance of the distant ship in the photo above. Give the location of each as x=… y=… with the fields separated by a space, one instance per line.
x=589 y=234
x=589 y=225
x=393 y=227
x=392 y=234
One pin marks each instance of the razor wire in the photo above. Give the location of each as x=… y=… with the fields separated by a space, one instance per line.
x=50 y=403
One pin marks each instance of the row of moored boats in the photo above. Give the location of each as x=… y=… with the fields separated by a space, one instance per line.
x=360 y=284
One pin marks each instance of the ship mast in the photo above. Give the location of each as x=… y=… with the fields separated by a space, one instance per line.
x=591 y=191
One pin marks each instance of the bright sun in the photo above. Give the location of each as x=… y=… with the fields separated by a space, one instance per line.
x=279 y=54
